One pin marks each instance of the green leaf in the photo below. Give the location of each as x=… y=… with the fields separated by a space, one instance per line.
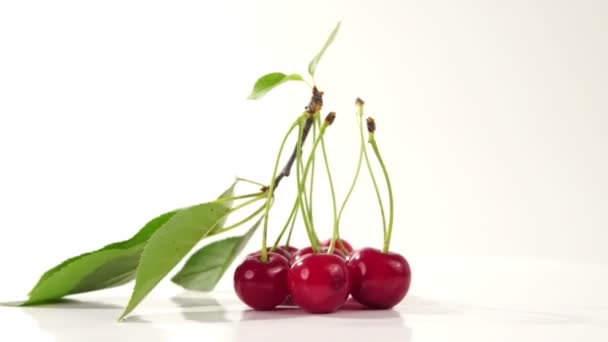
x=110 y=266
x=170 y=244
x=270 y=81
x=206 y=267
x=312 y=66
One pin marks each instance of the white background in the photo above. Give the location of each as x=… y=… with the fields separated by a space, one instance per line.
x=492 y=117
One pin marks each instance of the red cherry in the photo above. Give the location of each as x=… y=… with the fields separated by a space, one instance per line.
x=262 y=285
x=379 y=280
x=279 y=250
x=319 y=283
x=347 y=246
x=308 y=250
x=290 y=249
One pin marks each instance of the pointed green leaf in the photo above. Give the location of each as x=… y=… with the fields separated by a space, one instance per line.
x=206 y=267
x=270 y=81
x=312 y=66
x=110 y=266
x=170 y=244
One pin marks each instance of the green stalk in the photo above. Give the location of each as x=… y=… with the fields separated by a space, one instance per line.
x=245 y=180
x=371 y=173
x=291 y=218
x=235 y=198
x=293 y=223
x=301 y=179
x=357 y=172
x=245 y=220
x=241 y=206
x=336 y=229
x=312 y=178
x=387 y=239
x=318 y=140
x=263 y=252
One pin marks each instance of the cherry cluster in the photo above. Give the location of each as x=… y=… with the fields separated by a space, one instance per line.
x=320 y=278
x=321 y=282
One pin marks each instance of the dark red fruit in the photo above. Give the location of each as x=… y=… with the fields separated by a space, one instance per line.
x=379 y=280
x=308 y=250
x=342 y=246
x=319 y=283
x=290 y=249
x=262 y=285
x=279 y=250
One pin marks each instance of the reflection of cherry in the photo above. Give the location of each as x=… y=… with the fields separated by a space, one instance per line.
x=319 y=283
x=262 y=285
x=379 y=280
x=308 y=250
x=347 y=246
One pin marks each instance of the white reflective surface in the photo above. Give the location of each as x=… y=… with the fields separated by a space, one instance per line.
x=455 y=299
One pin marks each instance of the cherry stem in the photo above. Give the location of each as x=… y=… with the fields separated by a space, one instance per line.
x=270 y=190
x=312 y=177
x=301 y=180
x=371 y=171
x=293 y=223
x=357 y=171
x=387 y=238
x=290 y=219
x=328 y=121
x=336 y=230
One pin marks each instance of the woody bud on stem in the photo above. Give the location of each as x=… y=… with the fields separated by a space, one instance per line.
x=329 y=119
x=371 y=125
x=316 y=101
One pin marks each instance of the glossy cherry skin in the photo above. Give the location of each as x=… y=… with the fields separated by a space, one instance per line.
x=319 y=283
x=308 y=250
x=291 y=249
x=262 y=285
x=279 y=250
x=347 y=246
x=379 y=280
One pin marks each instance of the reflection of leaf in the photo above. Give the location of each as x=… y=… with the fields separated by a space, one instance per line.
x=270 y=81
x=312 y=66
x=206 y=267
x=170 y=244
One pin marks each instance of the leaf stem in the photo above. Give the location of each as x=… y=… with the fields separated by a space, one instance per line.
x=245 y=180
x=245 y=220
x=243 y=205
x=270 y=190
x=235 y=198
x=387 y=238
